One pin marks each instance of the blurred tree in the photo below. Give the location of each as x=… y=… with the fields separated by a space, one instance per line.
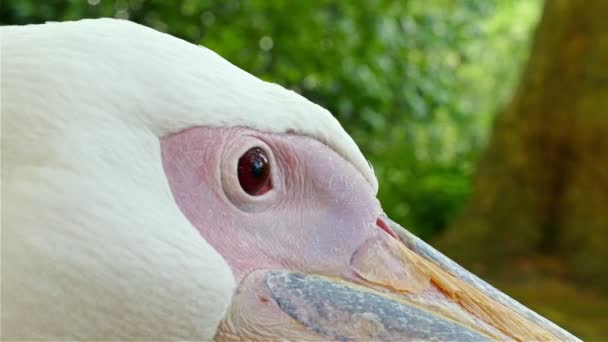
x=541 y=190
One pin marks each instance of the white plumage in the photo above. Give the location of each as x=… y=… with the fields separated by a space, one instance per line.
x=83 y=106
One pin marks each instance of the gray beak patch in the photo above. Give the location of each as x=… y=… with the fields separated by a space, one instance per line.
x=346 y=313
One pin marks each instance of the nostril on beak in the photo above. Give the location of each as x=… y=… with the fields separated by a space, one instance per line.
x=382 y=224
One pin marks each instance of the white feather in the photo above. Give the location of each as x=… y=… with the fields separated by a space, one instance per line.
x=93 y=244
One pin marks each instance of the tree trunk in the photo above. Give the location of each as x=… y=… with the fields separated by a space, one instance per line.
x=541 y=188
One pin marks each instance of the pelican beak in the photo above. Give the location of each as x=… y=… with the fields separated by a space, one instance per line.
x=491 y=312
x=400 y=289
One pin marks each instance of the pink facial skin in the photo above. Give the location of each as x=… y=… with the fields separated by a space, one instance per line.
x=321 y=218
x=319 y=211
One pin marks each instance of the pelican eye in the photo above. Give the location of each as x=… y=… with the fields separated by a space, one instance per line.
x=254 y=172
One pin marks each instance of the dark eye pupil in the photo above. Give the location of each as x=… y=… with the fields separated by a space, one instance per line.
x=254 y=172
x=257 y=168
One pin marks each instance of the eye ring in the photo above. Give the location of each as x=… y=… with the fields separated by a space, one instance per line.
x=233 y=151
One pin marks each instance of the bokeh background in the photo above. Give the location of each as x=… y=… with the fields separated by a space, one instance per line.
x=485 y=120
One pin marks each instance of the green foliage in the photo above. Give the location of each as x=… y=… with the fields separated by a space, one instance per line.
x=416 y=83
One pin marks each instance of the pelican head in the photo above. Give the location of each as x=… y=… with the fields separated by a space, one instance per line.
x=151 y=190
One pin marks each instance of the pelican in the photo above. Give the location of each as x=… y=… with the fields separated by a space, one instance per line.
x=151 y=190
